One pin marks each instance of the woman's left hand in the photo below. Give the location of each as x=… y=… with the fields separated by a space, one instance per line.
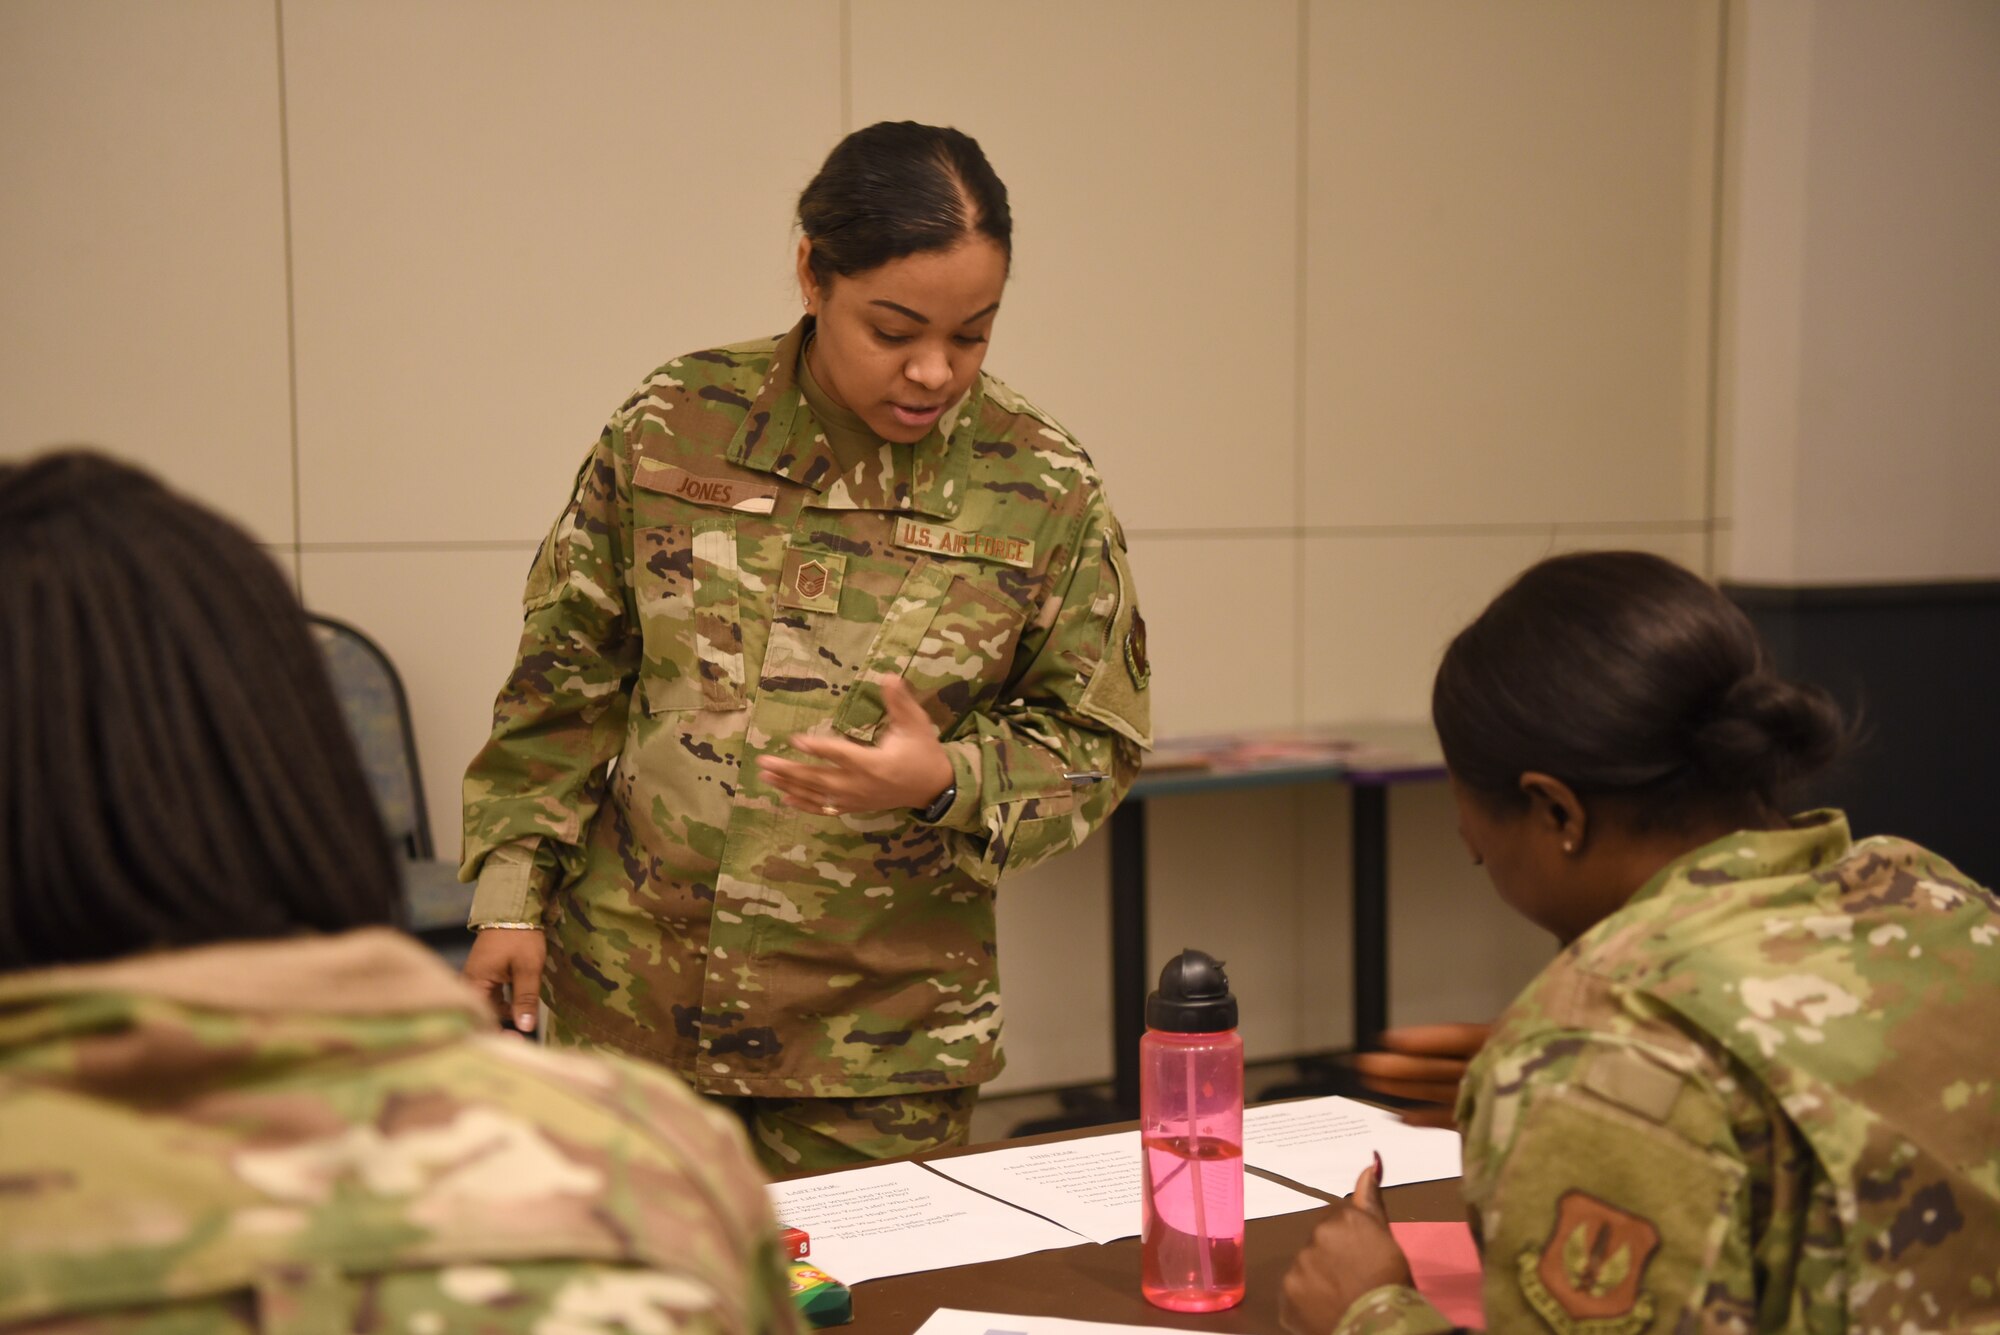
x=1352 y=1251
x=906 y=767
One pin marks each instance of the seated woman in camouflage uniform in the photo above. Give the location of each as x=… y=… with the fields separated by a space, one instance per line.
x=857 y=625
x=232 y=1098
x=1757 y=1090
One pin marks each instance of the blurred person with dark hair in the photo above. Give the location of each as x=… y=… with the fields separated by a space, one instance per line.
x=232 y=1097
x=1757 y=1089
x=857 y=625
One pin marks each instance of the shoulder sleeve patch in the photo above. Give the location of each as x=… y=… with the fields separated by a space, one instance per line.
x=1602 y=1222
x=1586 y=1279
x=1117 y=696
x=550 y=568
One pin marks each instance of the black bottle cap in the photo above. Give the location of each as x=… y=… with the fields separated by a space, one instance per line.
x=1194 y=997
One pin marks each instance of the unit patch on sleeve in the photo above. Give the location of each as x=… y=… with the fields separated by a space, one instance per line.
x=1136 y=661
x=956 y=542
x=1585 y=1280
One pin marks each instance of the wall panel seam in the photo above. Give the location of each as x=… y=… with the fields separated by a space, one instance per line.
x=1717 y=179
x=846 y=68
x=291 y=299
x=421 y=545
x=1301 y=243
x=1498 y=529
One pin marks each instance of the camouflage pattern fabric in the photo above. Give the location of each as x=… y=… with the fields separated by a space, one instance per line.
x=1761 y=1096
x=792 y=1136
x=325 y=1135
x=723 y=578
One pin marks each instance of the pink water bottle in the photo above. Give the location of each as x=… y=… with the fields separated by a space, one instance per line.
x=1191 y=1124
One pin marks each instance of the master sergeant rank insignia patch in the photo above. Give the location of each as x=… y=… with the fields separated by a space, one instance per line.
x=1585 y=1280
x=811 y=580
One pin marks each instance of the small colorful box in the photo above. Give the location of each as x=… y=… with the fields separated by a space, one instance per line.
x=822 y=1299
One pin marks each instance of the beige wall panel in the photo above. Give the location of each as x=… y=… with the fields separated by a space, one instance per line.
x=1508 y=213
x=1379 y=611
x=287 y=558
x=1759 y=335
x=143 y=265
x=1325 y=897
x=450 y=622
x=1722 y=556
x=1456 y=952
x=505 y=215
x=1223 y=874
x=1055 y=970
x=1689 y=548
x=1261 y=879
x=1150 y=153
x=1899 y=418
x=1222 y=630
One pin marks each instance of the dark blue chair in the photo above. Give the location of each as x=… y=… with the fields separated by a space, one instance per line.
x=378 y=716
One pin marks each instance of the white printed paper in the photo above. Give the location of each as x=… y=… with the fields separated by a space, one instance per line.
x=953 y=1321
x=1092 y=1185
x=897 y=1219
x=1325 y=1143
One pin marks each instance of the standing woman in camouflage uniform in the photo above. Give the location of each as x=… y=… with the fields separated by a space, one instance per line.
x=857 y=626
x=1757 y=1090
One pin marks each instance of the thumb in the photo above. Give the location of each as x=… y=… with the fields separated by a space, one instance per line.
x=1367 y=1195
x=525 y=977
x=904 y=711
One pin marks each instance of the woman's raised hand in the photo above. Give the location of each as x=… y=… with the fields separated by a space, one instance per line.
x=906 y=767
x=1351 y=1252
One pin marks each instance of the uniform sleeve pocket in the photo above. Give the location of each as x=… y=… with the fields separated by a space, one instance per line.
x=1118 y=695
x=1026 y=829
x=687 y=583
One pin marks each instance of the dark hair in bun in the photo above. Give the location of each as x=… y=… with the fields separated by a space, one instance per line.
x=898 y=188
x=1620 y=673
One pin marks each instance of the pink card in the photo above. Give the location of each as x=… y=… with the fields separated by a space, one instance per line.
x=1446 y=1266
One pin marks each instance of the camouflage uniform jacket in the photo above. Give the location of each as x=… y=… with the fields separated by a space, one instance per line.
x=1763 y=1095
x=323 y=1135
x=720 y=582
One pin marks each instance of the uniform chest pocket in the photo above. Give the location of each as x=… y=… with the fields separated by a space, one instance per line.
x=688 y=585
x=949 y=640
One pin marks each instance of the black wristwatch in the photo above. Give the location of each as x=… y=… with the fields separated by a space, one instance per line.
x=940 y=804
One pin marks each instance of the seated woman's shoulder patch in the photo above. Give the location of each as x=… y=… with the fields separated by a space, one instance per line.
x=1586 y=1279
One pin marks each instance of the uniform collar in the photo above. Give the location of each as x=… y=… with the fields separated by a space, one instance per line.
x=1811 y=841
x=780 y=435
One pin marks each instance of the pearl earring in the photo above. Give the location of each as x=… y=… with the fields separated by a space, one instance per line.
x=1568 y=847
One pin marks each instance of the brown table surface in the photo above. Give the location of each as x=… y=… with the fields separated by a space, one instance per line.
x=1100 y=1282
